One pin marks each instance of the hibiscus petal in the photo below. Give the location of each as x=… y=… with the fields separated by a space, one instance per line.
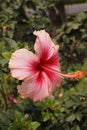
x=44 y=47
x=53 y=61
x=47 y=51
x=36 y=88
x=52 y=68
x=22 y=64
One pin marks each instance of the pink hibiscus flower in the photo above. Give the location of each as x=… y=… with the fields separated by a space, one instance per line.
x=40 y=71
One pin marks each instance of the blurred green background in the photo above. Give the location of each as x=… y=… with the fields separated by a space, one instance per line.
x=67 y=108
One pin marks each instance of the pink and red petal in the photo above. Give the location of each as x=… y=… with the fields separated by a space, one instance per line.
x=52 y=68
x=22 y=64
x=36 y=88
x=44 y=47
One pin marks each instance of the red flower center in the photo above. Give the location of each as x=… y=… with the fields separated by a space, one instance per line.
x=40 y=67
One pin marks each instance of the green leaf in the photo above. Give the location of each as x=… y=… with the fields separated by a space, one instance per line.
x=78 y=116
x=34 y=125
x=46 y=116
x=75 y=128
x=18 y=117
x=71 y=118
x=7 y=55
x=12 y=127
x=75 y=26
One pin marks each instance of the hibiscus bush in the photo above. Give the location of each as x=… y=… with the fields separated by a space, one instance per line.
x=66 y=109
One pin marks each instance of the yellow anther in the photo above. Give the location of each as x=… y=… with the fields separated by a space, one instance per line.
x=79 y=74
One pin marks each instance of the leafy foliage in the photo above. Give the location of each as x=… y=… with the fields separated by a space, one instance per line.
x=67 y=108
x=72 y=37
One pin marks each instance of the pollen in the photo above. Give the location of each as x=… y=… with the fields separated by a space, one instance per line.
x=79 y=74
